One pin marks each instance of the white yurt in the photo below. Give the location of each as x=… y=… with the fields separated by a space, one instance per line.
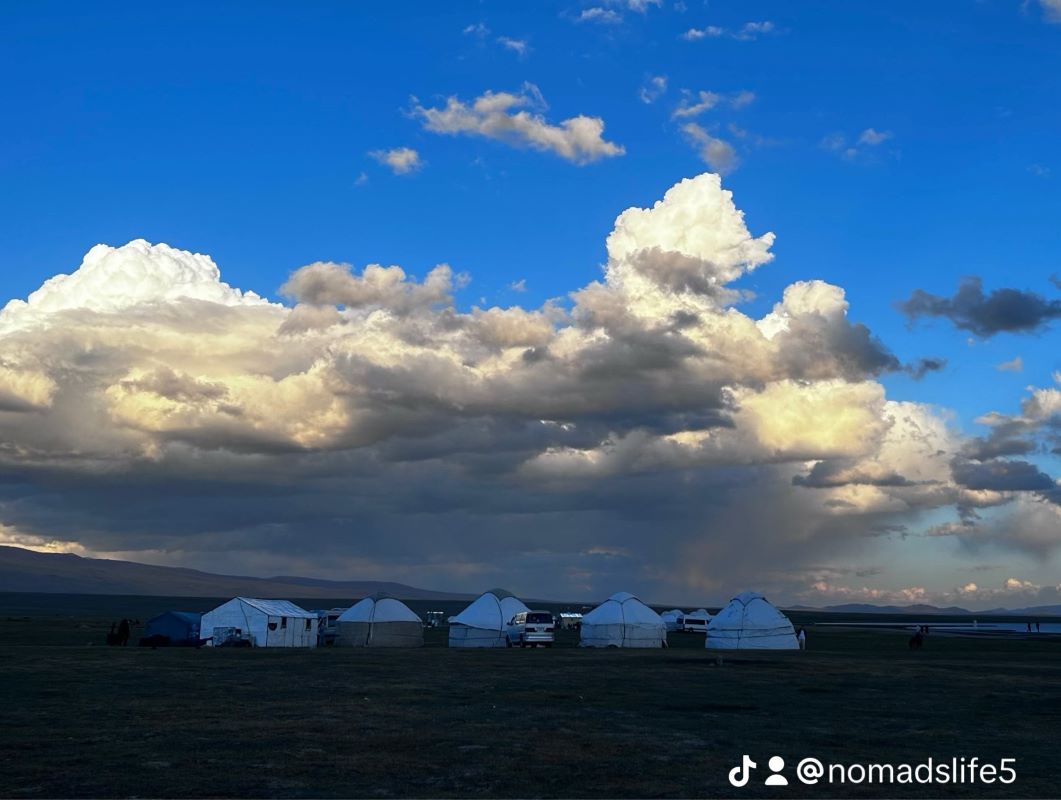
x=265 y=623
x=379 y=621
x=623 y=621
x=483 y=623
x=670 y=618
x=750 y=622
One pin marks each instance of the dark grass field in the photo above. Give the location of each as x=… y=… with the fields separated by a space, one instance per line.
x=86 y=720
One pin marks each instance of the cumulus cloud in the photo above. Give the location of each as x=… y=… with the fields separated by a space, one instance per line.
x=599 y=15
x=1000 y=475
x=653 y=89
x=693 y=107
x=873 y=137
x=401 y=160
x=517 y=119
x=518 y=46
x=717 y=153
x=1015 y=364
x=640 y=429
x=923 y=366
x=1003 y=310
x=748 y=32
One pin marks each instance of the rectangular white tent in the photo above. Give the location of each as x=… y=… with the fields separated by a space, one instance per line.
x=266 y=623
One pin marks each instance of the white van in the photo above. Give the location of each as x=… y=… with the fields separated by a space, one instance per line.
x=530 y=629
x=693 y=624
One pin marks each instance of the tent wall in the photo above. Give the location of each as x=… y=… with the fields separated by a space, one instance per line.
x=464 y=636
x=758 y=640
x=255 y=623
x=622 y=635
x=352 y=634
x=235 y=614
x=297 y=632
x=396 y=634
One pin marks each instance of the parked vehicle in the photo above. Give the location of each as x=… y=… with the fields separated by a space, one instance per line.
x=530 y=629
x=693 y=624
x=327 y=625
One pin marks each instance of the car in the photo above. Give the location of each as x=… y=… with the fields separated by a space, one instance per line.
x=327 y=625
x=530 y=629
x=692 y=624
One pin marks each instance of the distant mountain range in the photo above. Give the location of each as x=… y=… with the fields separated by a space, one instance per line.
x=64 y=573
x=921 y=608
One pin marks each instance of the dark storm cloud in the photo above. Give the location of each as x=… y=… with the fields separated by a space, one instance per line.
x=1003 y=310
x=923 y=366
x=637 y=437
x=995 y=445
x=842 y=472
x=814 y=344
x=1000 y=475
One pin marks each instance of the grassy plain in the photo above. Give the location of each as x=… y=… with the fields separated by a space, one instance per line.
x=81 y=719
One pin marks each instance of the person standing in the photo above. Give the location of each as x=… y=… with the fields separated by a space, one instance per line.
x=802 y=637
x=123 y=632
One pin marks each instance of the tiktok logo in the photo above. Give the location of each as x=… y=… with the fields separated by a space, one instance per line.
x=739 y=776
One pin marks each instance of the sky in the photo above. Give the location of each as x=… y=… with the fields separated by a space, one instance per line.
x=677 y=298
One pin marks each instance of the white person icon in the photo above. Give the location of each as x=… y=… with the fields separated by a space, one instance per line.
x=776 y=764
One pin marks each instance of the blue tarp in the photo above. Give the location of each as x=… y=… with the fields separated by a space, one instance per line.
x=176 y=625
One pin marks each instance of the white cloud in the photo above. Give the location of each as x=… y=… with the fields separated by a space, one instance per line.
x=873 y=137
x=653 y=89
x=641 y=6
x=861 y=149
x=113 y=279
x=401 y=160
x=748 y=32
x=717 y=153
x=1051 y=10
x=516 y=119
x=518 y=286
x=478 y=30
x=708 y=32
x=753 y=30
x=518 y=46
x=1015 y=364
x=601 y=16
x=693 y=105
x=377 y=400
x=704 y=101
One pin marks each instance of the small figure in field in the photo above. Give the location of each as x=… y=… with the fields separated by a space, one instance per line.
x=802 y=637
x=916 y=640
x=1029 y=627
x=1037 y=628
x=123 y=632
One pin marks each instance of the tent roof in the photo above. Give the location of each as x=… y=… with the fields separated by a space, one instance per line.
x=277 y=608
x=622 y=608
x=379 y=609
x=749 y=613
x=491 y=610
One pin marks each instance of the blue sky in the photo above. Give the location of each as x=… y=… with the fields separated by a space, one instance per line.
x=241 y=133
x=890 y=147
